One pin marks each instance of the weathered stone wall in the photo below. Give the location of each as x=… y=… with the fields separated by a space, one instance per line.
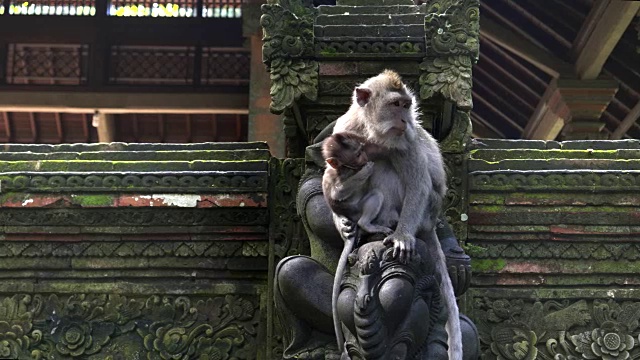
x=557 y=230
x=134 y=251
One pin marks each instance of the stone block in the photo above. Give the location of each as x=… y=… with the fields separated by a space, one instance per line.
x=370 y=10
x=359 y=31
x=338 y=68
x=374 y=19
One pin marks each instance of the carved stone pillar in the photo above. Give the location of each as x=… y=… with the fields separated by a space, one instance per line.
x=263 y=125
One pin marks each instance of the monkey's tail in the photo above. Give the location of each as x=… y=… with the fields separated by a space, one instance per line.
x=446 y=288
x=337 y=281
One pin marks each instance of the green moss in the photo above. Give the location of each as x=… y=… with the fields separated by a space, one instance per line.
x=493 y=155
x=474 y=250
x=329 y=52
x=488 y=265
x=490 y=208
x=14 y=197
x=93 y=200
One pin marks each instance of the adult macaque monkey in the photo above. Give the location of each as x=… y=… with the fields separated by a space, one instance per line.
x=385 y=112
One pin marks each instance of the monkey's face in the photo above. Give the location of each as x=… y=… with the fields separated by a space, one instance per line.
x=345 y=150
x=395 y=115
x=354 y=154
x=389 y=115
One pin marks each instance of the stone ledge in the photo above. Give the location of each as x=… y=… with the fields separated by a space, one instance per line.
x=568 y=145
x=119 y=146
x=373 y=19
x=380 y=31
x=370 y=10
x=139 y=155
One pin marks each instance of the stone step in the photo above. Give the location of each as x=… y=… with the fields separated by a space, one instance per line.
x=378 y=19
x=87 y=166
x=537 y=165
x=360 y=31
x=493 y=155
x=374 y=2
x=162 y=155
x=119 y=146
x=544 y=144
x=371 y=10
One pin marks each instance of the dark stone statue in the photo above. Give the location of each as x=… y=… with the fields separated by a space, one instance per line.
x=389 y=310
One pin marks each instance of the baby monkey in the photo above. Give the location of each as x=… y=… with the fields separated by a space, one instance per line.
x=346 y=188
x=345 y=180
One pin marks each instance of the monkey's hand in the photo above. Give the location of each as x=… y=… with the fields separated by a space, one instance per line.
x=346 y=227
x=404 y=245
x=365 y=172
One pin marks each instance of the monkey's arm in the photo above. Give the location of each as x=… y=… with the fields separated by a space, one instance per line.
x=416 y=176
x=352 y=184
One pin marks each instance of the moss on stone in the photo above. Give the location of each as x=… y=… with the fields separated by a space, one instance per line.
x=93 y=200
x=488 y=265
x=328 y=52
x=12 y=197
x=491 y=155
x=474 y=250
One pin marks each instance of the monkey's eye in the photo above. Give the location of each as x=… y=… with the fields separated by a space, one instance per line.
x=396 y=103
x=407 y=105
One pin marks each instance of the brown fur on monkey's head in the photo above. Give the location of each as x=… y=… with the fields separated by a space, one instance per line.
x=393 y=78
x=388 y=80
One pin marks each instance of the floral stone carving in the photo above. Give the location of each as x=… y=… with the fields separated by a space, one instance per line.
x=288 y=44
x=452 y=49
x=598 y=329
x=99 y=326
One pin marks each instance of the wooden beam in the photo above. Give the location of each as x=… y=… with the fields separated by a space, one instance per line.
x=106 y=127
x=34 y=127
x=627 y=122
x=187 y=31
x=118 y=103
x=538 y=23
x=549 y=117
x=481 y=130
x=7 y=126
x=521 y=46
x=504 y=103
x=497 y=111
x=600 y=33
x=511 y=60
x=59 y=128
x=524 y=88
x=510 y=92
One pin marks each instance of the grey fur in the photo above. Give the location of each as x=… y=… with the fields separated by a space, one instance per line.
x=381 y=106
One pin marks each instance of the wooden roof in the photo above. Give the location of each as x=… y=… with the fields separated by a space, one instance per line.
x=526 y=44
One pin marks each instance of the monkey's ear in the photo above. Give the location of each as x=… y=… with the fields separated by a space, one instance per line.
x=363 y=95
x=333 y=162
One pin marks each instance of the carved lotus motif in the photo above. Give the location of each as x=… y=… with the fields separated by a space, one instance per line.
x=168 y=341
x=9 y=346
x=76 y=337
x=218 y=348
x=14 y=339
x=609 y=342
